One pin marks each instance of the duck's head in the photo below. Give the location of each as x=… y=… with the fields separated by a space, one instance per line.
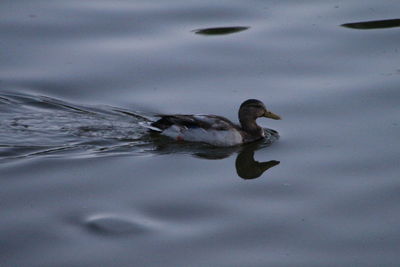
x=252 y=109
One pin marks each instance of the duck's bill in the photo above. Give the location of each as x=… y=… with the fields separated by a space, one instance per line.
x=271 y=115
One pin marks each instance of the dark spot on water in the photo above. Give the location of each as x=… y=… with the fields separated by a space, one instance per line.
x=373 y=24
x=113 y=225
x=220 y=30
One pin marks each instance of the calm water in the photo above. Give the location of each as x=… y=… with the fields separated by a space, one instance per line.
x=82 y=184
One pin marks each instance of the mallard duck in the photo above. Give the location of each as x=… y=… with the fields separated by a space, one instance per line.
x=216 y=130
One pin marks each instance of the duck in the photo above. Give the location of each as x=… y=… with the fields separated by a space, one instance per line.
x=216 y=130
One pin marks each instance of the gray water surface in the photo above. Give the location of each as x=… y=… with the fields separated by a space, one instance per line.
x=82 y=184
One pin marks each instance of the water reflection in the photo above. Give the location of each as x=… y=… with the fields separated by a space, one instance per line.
x=373 y=24
x=220 y=30
x=247 y=168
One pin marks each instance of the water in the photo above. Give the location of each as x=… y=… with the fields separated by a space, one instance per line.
x=83 y=185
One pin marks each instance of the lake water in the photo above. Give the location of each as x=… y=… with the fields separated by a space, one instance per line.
x=83 y=184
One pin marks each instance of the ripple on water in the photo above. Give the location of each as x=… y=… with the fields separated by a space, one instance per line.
x=36 y=125
x=108 y=224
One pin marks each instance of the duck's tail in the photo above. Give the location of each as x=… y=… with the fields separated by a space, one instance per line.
x=148 y=125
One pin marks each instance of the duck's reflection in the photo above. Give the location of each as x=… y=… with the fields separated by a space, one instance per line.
x=246 y=166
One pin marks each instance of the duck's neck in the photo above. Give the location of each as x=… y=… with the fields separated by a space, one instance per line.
x=250 y=127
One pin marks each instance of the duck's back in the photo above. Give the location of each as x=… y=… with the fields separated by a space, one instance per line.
x=209 y=129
